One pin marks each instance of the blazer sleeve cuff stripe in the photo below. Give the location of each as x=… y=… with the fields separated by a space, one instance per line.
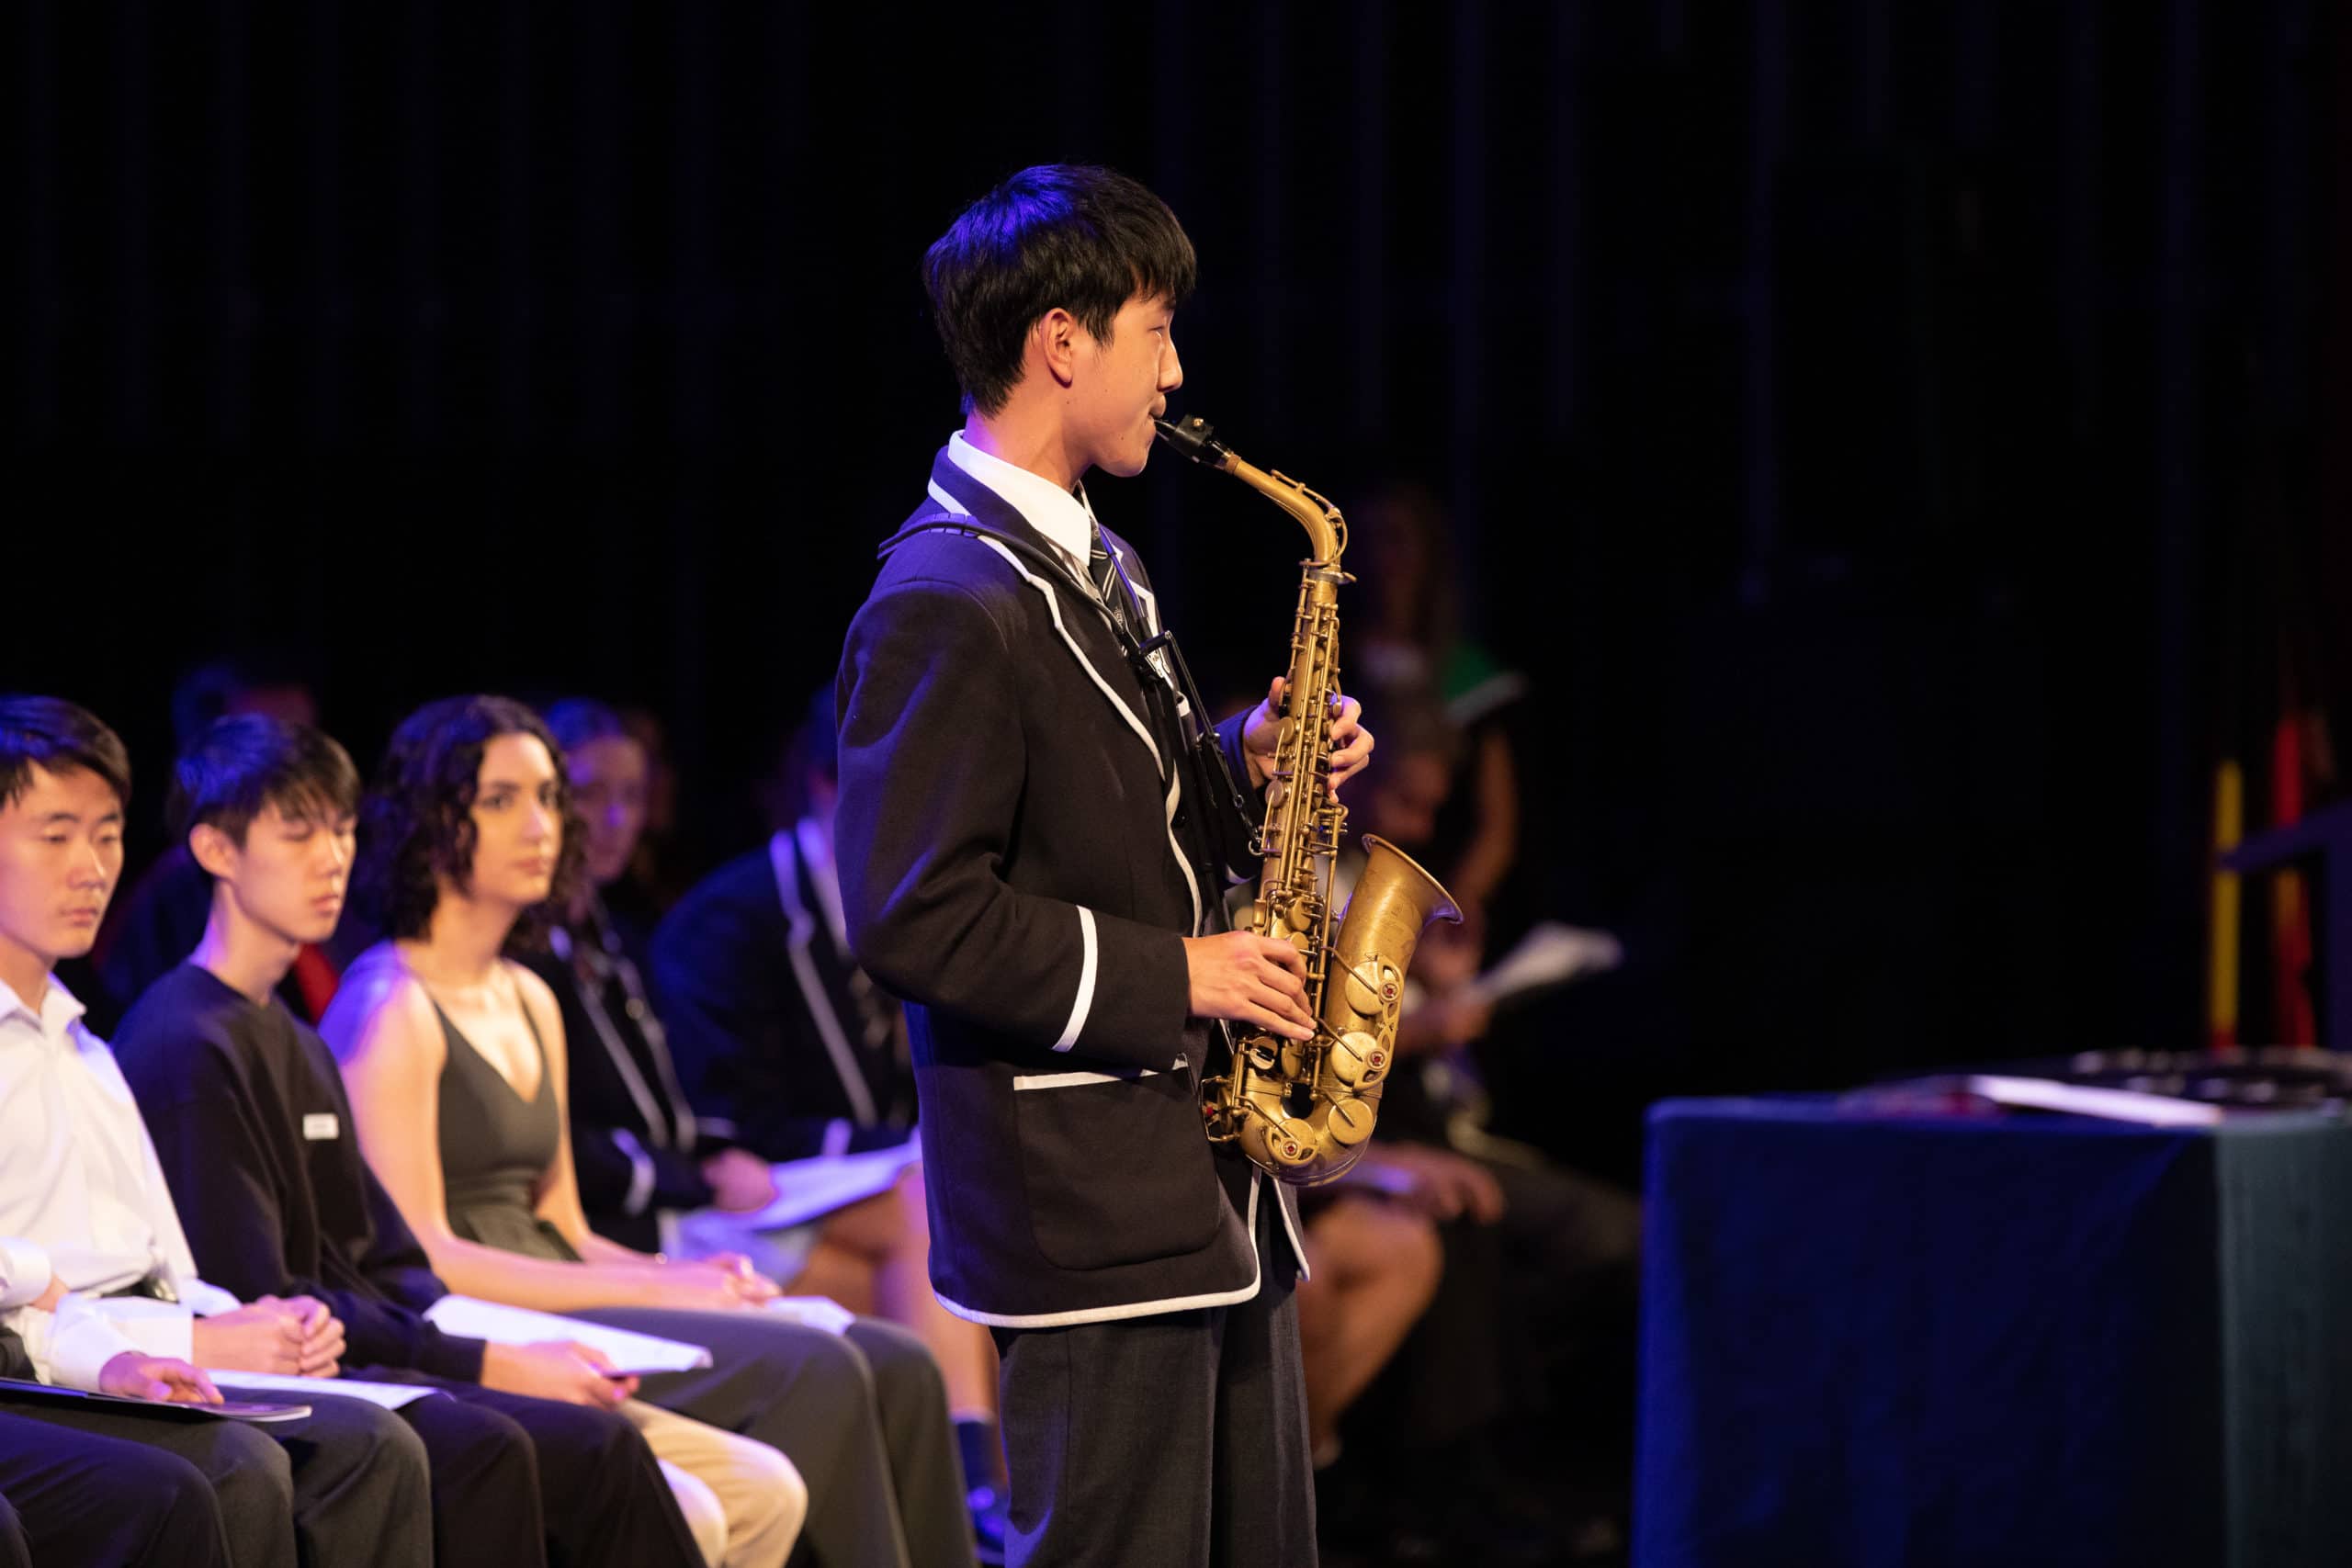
x=640 y=1171
x=1085 y=1001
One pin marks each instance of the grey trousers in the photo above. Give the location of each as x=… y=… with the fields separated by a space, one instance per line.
x=348 y=1485
x=73 y=1495
x=362 y=1486
x=1173 y=1441
x=862 y=1415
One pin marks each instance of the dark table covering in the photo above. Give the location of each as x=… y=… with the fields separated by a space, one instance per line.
x=1873 y=1339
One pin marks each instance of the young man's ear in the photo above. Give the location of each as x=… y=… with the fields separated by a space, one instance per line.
x=213 y=849
x=1056 y=335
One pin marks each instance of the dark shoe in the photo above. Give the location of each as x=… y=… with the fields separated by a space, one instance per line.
x=991 y=1522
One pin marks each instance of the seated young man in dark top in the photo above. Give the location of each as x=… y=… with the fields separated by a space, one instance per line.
x=250 y=1118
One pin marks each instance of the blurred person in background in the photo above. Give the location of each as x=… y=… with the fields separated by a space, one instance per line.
x=1375 y=1265
x=1527 y=1348
x=652 y=878
x=1406 y=631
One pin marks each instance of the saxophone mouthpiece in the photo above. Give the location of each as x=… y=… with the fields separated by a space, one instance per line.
x=1195 y=438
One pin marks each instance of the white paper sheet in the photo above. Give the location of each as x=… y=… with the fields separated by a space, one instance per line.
x=2083 y=1100
x=1549 y=955
x=814 y=1312
x=808 y=1188
x=390 y=1395
x=501 y=1325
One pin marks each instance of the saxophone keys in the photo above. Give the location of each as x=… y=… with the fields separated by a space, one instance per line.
x=1350 y=1122
x=1357 y=1057
x=1293 y=1143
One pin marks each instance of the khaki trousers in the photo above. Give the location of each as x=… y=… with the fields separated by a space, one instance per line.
x=743 y=1500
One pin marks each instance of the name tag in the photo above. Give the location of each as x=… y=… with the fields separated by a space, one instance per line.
x=321 y=1125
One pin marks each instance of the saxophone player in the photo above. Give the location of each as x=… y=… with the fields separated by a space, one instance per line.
x=1032 y=850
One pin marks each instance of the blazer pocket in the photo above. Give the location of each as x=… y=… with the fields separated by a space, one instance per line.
x=1115 y=1167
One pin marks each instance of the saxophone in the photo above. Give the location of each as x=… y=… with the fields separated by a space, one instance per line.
x=1300 y=1110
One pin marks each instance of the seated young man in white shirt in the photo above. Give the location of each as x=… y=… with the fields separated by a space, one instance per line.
x=79 y=1179
x=111 y=1483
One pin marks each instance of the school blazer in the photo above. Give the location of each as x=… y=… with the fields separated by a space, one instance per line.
x=1021 y=854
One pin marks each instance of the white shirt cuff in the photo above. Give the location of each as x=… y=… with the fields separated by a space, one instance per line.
x=72 y=1346
x=205 y=1300
x=149 y=1327
x=25 y=1271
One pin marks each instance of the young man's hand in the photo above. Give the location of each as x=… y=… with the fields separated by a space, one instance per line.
x=134 y=1376
x=322 y=1339
x=1252 y=979
x=49 y=1298
x=1350 y=741
x=561 y=1369
x=260 y=1338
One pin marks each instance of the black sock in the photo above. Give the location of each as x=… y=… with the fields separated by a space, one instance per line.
x=976 y=1445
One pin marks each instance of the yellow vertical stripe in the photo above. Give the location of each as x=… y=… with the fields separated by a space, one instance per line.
x=2222 y=973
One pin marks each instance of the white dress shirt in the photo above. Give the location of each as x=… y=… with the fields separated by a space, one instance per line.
x=1064 y=517
x=79 y=1183
x=70 y=1345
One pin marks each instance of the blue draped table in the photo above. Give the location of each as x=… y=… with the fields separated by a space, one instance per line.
x=1874 y=1339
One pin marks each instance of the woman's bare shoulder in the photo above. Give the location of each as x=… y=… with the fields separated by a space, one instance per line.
x=380 y=1003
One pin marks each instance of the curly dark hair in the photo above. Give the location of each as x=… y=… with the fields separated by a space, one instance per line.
x=416 y=822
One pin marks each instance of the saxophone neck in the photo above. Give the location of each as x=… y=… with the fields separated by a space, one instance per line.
x=1327 y=530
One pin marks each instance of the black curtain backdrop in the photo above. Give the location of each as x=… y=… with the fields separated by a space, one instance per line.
x=1844 y=411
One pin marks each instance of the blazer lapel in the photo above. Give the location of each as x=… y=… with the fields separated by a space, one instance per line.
x=1079 y=618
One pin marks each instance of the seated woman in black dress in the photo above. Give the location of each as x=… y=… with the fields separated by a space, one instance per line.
x=455 y=1056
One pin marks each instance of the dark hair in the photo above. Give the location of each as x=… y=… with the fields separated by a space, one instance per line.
x=1399 y=531
x=1085 y=239
x=211 y=690
x=241 y=764
x=417 y=821
x=576 y=721
x=55 y=735
x=813 y=747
